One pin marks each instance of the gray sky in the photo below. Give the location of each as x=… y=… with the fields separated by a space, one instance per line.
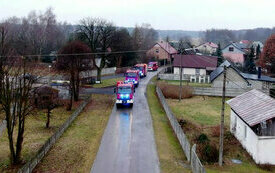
x=161 y=14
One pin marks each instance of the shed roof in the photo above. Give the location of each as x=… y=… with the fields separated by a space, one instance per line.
x=195 y=61
x=253 y=107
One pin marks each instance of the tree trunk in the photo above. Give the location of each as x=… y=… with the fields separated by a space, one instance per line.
x=76 y=92
x=98 y=78
x=48 y=117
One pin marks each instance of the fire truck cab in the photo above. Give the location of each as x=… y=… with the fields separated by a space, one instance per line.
x=142 y=69
x=153 y=66
x=124 y=94
x=132 y=76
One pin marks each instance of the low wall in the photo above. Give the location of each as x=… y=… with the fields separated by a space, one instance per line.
x=29 y=166
x=93 y=73
x=211 y=91
x=191 y=155
x=3 y=126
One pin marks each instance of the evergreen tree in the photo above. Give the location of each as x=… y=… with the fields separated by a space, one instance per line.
x=249 y=65
x=258 y=52
x=219 y=55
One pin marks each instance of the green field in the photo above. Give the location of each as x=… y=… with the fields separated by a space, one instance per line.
x=171 y=156
x=202 y=115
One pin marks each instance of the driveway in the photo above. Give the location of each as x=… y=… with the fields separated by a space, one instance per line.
x=128 y=144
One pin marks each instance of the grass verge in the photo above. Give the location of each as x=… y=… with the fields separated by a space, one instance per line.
x=108 y=82
x=202 y=115
x=169 y=150
x=76 y=150
x=34 y=137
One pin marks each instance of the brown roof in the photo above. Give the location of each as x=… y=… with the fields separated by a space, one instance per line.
x=167 y=47
x=196 y=61
x=253 y=107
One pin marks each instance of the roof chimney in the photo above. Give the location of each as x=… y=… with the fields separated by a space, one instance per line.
x=259 y=72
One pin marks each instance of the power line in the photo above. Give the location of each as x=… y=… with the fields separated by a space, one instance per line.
x=77 y=54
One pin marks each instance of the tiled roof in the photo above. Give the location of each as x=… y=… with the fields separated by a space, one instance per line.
x=253 y=107
x=195 y=61
x=167 y=47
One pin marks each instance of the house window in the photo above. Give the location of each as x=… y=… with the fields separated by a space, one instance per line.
x=231 y=49
x=157 y=50
x=197 y=71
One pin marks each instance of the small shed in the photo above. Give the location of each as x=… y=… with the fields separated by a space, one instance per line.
x=44 y=94
x=252 y=121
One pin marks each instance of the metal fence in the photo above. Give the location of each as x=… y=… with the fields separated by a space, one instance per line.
x=29 y=166
x=3 y=126
x=191 y=155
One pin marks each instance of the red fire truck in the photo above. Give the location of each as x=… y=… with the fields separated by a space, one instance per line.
x=142 y=69
x=124 y=94
x=132 y=76
x=153 y=66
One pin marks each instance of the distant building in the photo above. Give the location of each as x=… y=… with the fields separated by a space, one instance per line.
x=237 y=79
x=197 y=67
x=252 y=121
x=235 y=52
x=162 y=51
x=207 y=48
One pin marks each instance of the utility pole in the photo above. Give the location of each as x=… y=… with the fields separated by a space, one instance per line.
x=180 y=77
x=222 y=118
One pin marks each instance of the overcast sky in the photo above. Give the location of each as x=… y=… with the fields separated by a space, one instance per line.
x=161 y=14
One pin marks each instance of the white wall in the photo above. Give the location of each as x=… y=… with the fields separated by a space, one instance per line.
x=189 y=71
x=105 y=71
x=259 y=147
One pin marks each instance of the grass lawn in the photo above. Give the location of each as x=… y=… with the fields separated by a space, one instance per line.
x=202 y=115
x=76 y=150
x=34 y=137
x=193 y=84
x=169 y=150
x=108 y=82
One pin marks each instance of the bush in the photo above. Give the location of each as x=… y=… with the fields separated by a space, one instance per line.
x=210 y=153
x=266 y=167
x=202 y=138
x=215 y=131
x=172 y=91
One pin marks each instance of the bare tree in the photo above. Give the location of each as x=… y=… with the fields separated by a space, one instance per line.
x=15 y=97
x=73 y=65
x=97 y=33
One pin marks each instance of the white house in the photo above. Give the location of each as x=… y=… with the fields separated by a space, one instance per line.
x=252 y=122
x=207 y=48
x=195 y=68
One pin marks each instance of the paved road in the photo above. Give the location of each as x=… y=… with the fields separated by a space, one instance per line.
x=128 y=144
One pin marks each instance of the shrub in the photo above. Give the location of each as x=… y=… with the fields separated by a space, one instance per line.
x=266 y=167
x=215 y=131
x=210 y=153
x=202 y=138
x=172 y=91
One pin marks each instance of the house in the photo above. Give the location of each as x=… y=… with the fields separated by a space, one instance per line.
x=162 y=51
x=235 y=52
x=195 y=67
x=207 y=48
x=237 y=79
x=252 y=122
